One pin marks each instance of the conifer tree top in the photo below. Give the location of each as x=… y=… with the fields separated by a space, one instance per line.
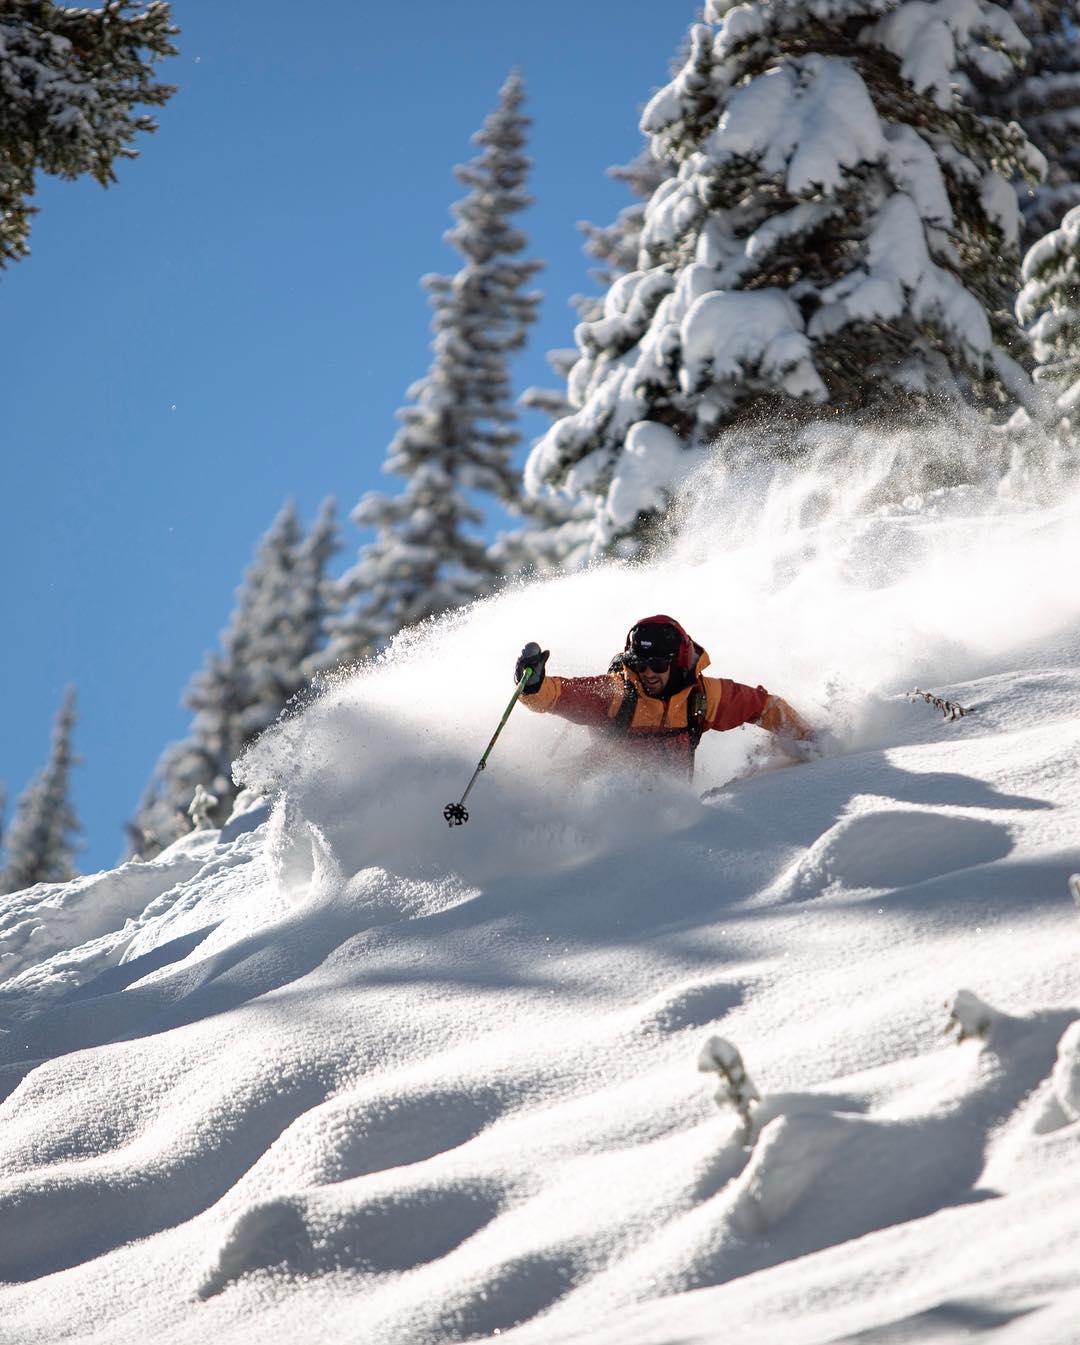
x=42 y=839
x=458 y=433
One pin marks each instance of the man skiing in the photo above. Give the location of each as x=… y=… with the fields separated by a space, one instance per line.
x=655 y=698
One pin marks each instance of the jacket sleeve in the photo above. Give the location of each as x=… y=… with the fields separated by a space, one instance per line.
x=730 y=704
x=582 y=700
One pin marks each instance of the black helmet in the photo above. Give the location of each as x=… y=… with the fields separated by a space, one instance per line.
x=654 y=639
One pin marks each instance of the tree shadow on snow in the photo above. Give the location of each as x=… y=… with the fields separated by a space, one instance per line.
x=120 y=977
x=802 y=803
x=273 y=957
x=951 y=1315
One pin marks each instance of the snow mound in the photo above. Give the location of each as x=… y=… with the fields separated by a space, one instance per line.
x=890 y=847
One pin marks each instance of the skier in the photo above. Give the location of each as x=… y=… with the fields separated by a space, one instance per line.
x=654 y=697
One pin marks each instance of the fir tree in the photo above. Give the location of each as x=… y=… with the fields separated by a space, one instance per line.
x=42 y=841
x=316 y=598
x=279 y=624
x=274 y=636
x=1050 y=303
x=70 y=80
x=840 y=234
x=458 y=435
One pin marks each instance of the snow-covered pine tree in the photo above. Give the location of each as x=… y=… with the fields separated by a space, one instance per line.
x=279 y=626
x=70 y=80
x=42 y=840
x=274 y=635
x=1050 y=303
x=458 y=435
x=1046 y=103
x=315 y=603
x=218 y=695
x=840 y=234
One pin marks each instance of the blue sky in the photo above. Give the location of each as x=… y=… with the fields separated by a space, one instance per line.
x=237 y=320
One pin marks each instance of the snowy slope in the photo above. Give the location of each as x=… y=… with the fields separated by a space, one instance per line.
x=341 y=1072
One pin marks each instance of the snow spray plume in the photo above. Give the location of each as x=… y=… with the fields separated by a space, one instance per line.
x=838 y=580
x=876 y=559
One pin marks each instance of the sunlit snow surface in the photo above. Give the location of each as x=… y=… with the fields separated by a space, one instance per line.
x=345 y=1073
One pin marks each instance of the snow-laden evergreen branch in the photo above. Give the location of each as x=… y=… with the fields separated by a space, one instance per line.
x=1050 y=303
x=1045 y=101
x=70 y=81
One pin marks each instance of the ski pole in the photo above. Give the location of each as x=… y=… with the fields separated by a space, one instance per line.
x=457 y=814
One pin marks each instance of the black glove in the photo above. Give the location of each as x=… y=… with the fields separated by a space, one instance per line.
x=532 y=656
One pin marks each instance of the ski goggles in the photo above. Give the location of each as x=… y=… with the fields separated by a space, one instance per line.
x=657 y=663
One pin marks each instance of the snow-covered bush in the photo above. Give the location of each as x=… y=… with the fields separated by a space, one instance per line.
x=841 y=234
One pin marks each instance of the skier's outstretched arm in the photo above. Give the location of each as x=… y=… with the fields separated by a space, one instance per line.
x=730 y=704
x=582 y=700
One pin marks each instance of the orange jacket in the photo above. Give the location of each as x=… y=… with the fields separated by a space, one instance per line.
x=659 y=723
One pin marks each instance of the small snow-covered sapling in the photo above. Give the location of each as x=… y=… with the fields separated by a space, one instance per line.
x=200 y=808
x=970 y=1017
x=736 y=1088
x=1074 y=888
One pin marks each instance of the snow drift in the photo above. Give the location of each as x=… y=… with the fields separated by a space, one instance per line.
x=343 y=1070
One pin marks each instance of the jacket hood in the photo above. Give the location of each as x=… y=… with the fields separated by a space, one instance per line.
x=691 y=658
